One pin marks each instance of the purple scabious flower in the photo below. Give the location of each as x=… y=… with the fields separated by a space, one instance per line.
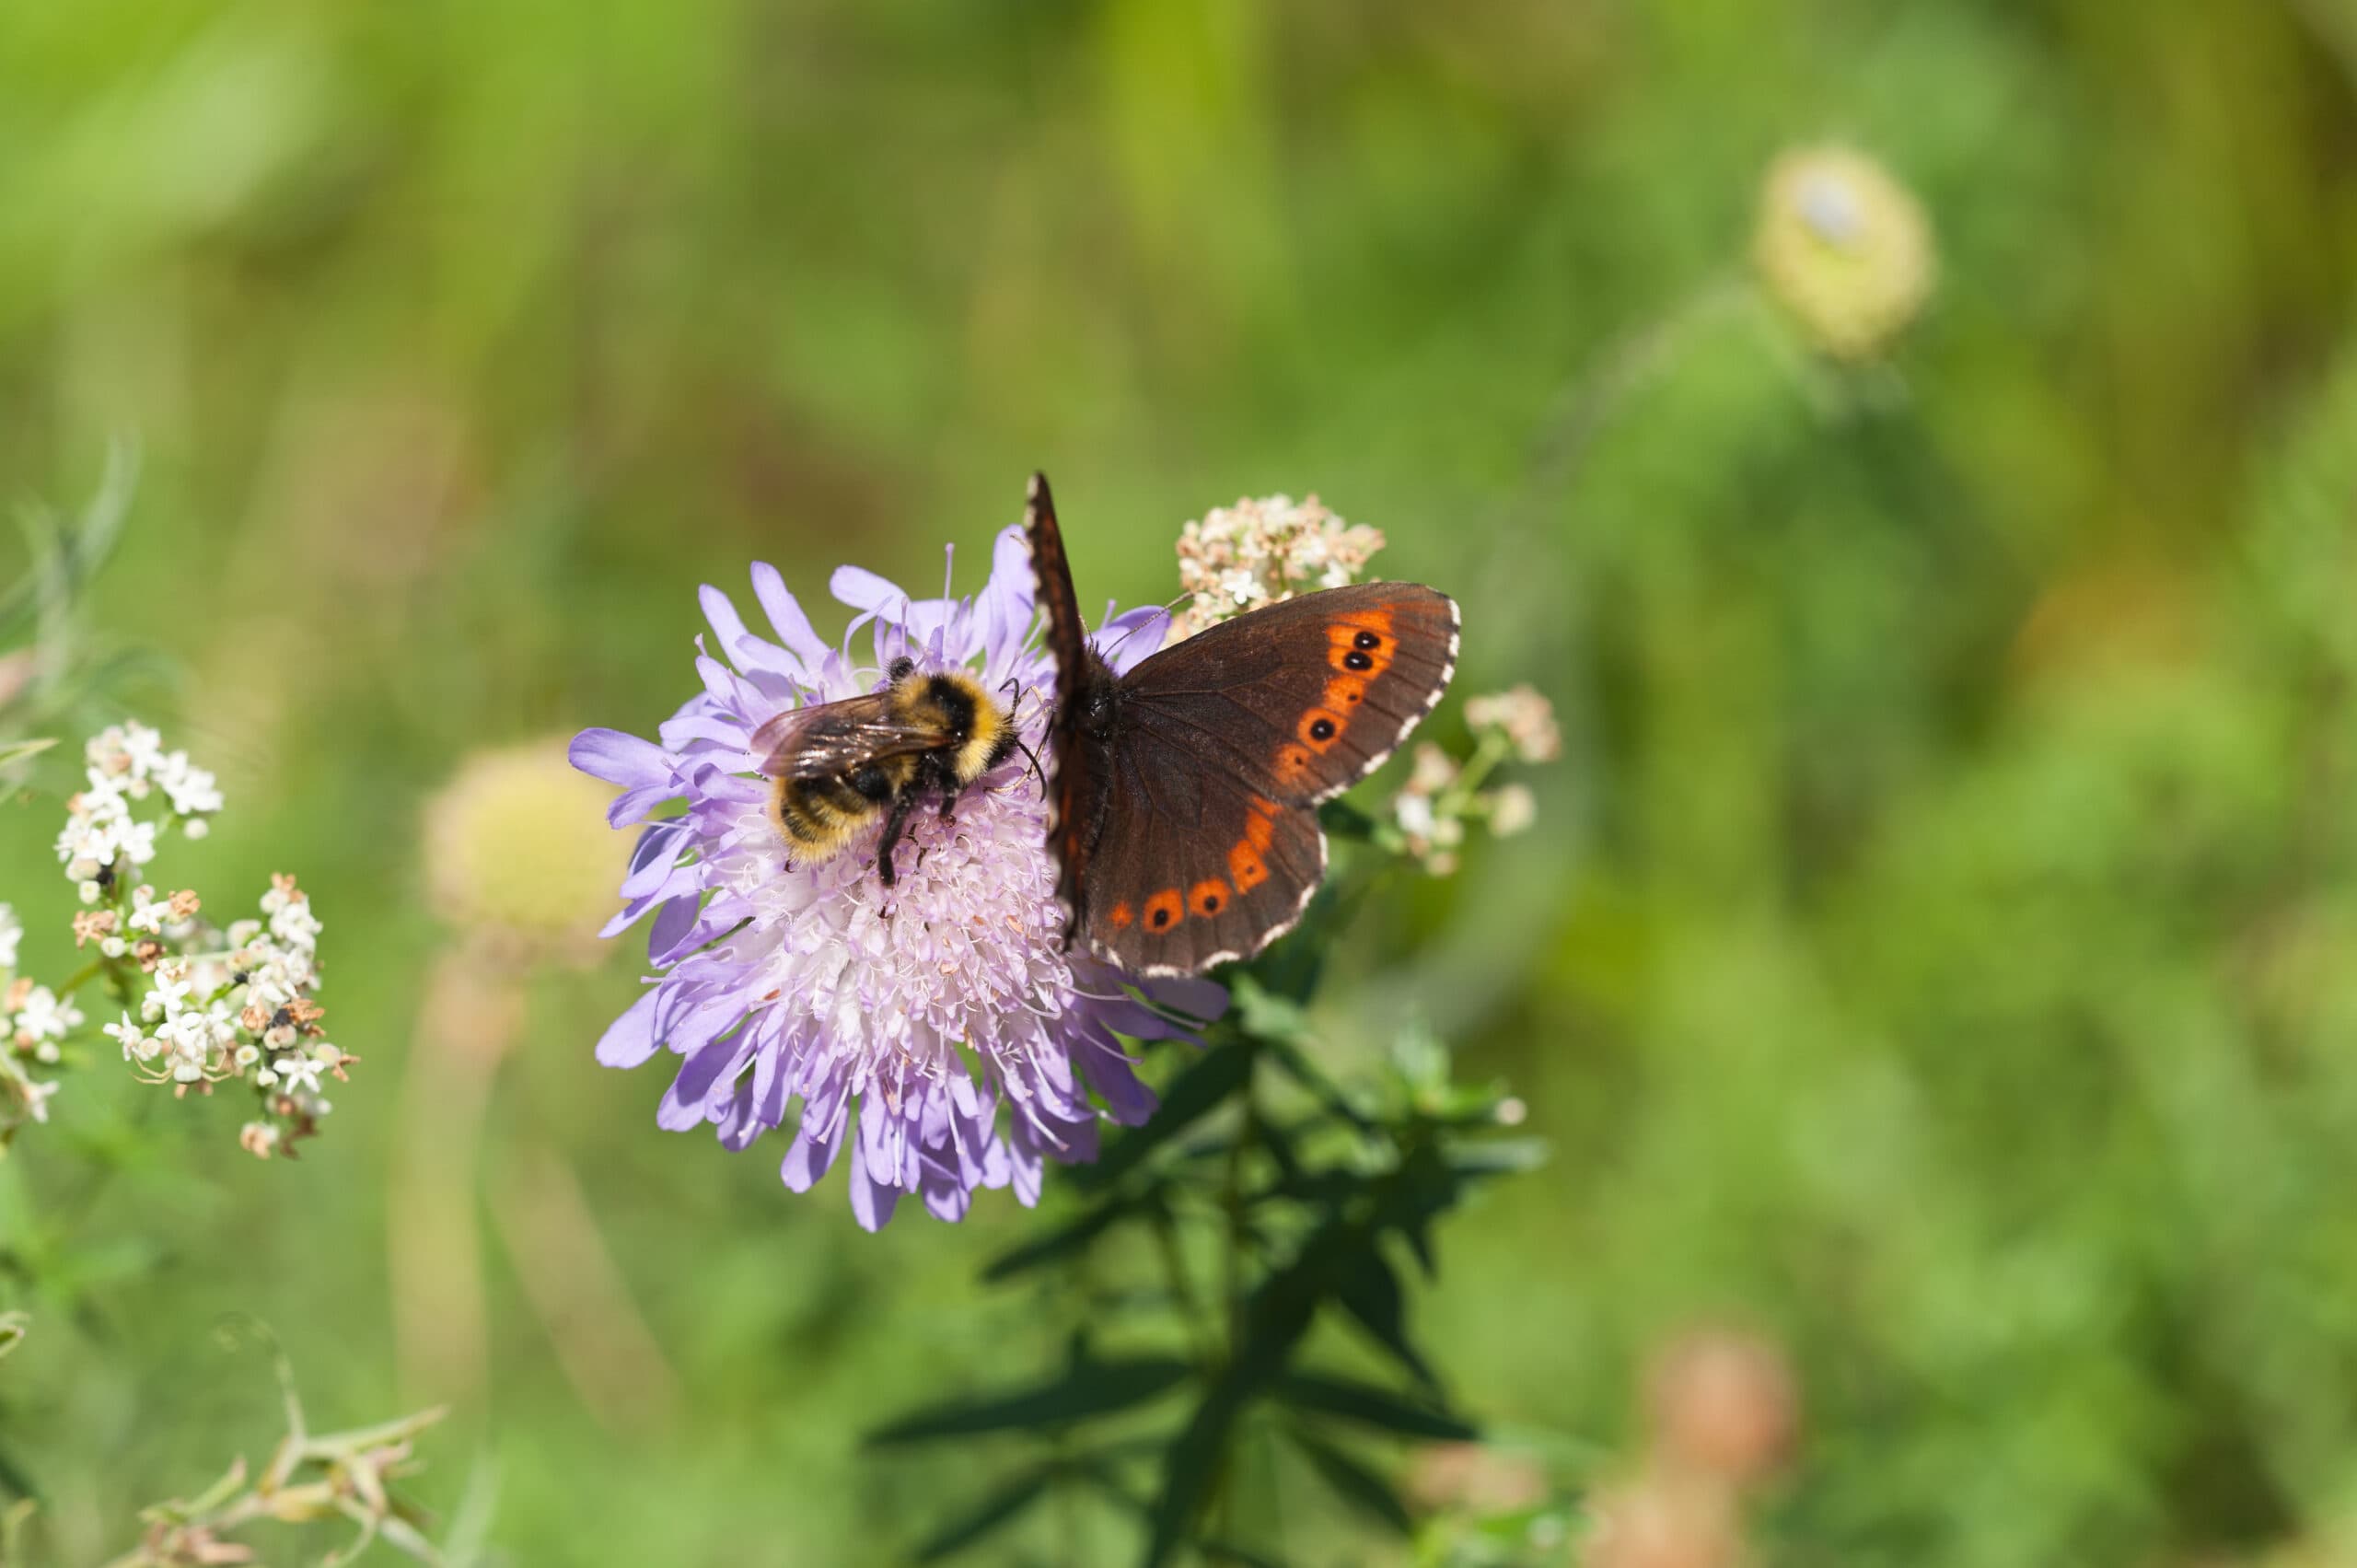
x=936 y=1029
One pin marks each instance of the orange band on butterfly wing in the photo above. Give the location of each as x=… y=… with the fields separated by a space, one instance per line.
x=1362 y=643
x=1208 y=896
x=1122 y=917
x=1164 y=910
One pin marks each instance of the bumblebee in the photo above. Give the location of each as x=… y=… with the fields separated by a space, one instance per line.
x=837 y=768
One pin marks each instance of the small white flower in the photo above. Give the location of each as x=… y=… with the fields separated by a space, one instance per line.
x=90 y=892
x=37 y=1098
x=44 y=1017
x=114 y=947
x=146 y=914
x=171 y=988
x=1415 y=815
x=299 y=1073
x=139 y=842
x=196 y=827
x=1512 y=810
x=12 y=931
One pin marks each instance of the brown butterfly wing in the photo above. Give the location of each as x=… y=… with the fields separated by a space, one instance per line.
x=1078 y=794
x=1210 y=847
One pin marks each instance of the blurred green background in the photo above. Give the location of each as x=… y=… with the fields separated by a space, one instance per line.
x=1933 y=951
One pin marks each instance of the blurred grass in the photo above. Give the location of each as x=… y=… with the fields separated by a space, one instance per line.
x=1935 y=950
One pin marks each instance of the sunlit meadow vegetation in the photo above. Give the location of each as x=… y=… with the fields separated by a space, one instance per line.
x=1913 y=448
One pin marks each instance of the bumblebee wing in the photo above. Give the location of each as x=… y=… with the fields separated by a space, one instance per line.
x=826 y=739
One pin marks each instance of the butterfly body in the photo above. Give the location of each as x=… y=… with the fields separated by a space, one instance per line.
x=1186 y=789
x=836 y=769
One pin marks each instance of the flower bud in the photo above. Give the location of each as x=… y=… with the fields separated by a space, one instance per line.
x=518 y=851
x=1844 y=249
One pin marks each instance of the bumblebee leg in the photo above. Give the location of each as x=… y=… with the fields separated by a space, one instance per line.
x=893 y=823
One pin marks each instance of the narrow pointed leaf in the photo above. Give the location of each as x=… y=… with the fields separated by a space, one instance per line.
x=1352 y=1481
x=1348 y=1399
x=1218 y=1072
x=1067 y=1240
x=1086 y=1389
x=999 y=1509
x=1370 y=1293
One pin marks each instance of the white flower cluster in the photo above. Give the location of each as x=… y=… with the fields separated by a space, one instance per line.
x=104 y=833
x=1258 y=553
x=1441 y=795
x=1523 y=717
x=243 y=1013
x=201 y=1006
x=32 y=1021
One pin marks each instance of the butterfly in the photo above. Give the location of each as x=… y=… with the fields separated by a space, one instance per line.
x=1186 y=791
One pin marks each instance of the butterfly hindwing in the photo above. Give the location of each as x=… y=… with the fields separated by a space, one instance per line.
x=1193 y=867
x=1208 y=846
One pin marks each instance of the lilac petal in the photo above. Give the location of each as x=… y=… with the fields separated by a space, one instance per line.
x=946 y=1196
x=807 y=1160
x=728 y=626
x=651 y=860
x=1109 y=1071
x=673 y=931
x=871 y=1202
x=683 y=1104
x=738 y=1123
x=619 y=758
x=630 y=1040
x=1126 y=639
x=862 y=589
x=1197 y=998
x=785 y=615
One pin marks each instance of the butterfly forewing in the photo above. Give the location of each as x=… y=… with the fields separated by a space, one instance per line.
x=1195 y=868
x=1079 y=797
x=1210 y=846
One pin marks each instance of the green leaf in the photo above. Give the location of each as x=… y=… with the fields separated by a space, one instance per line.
x=1370 y=1293
x=77 y=552
x=1301 y=1070
x=1342 y=820
x=1348 y=1399
x=1276 y=1316
x=1087 y=1389
x=1065 y=1240
x=13 y=1477
x=17 y=752
x=1292 y=967
x=1191 y=1466
x=1353 y=1483
x=1217 y=1073
x=1497 y=1157
x=1000 y=1508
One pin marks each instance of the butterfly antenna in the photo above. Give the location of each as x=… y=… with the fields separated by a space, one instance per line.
x=1161 y=617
